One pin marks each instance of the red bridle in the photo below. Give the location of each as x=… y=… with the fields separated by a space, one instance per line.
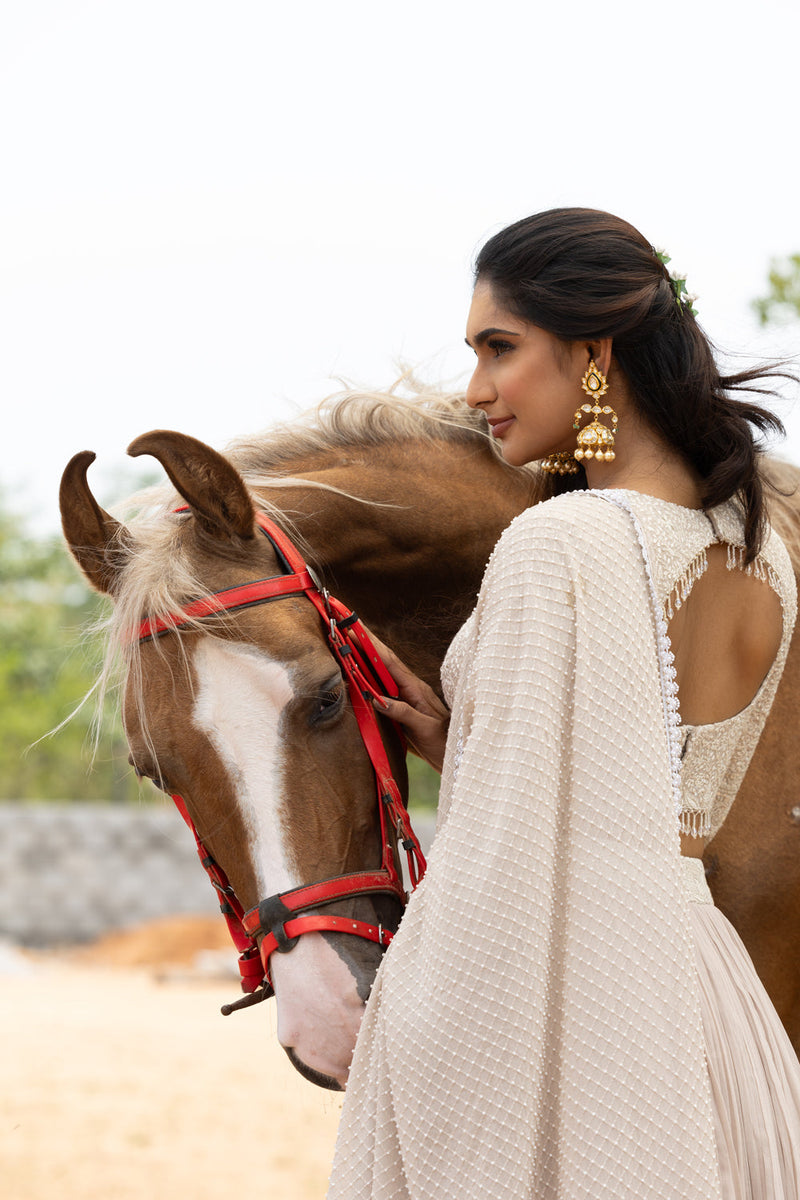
x=279 y=920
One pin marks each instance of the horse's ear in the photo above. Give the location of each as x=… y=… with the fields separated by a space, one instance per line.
x=210 y=485
x=96 y=540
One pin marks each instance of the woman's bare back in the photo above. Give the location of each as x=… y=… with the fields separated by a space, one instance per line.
x=725 y=637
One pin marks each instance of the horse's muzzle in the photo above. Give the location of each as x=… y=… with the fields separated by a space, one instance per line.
x=323 y=1081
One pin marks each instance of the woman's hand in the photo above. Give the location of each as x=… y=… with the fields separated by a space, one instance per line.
x=418 y=709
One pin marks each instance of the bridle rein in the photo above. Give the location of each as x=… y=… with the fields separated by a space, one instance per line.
x=276 y=923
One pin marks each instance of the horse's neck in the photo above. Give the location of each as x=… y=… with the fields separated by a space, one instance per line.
x=410 y=563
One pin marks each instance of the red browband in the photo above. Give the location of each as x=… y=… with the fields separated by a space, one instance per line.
x=279 y=920
x=258 y=591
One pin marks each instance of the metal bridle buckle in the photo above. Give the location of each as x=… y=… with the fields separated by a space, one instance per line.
x=323 y=591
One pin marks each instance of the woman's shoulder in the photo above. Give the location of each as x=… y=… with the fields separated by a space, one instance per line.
x=574 y=516
x=574 y=553
x=574 y=536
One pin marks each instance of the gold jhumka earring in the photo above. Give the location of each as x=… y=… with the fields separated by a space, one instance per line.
x=596 y=440
x=562 y=463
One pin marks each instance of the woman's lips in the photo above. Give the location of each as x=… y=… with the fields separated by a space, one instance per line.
x=498 y=428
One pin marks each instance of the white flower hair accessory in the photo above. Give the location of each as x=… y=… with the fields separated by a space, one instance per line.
x=683 y=297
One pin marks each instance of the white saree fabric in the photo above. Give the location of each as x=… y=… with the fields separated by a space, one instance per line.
x=535 y=1028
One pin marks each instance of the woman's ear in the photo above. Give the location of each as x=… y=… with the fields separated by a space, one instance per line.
x=600 y=350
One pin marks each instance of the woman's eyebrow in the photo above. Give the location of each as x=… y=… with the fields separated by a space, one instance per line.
x=481 y=337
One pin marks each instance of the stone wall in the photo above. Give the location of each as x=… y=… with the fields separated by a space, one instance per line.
x=69 y=872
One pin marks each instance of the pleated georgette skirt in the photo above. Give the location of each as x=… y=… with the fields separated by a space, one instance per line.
x=752 y=1066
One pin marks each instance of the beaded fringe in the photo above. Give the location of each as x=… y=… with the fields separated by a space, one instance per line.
x=697 y=567
x=759 y=568
x=695 y=824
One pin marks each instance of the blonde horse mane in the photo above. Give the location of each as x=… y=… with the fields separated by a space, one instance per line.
x=358 y=418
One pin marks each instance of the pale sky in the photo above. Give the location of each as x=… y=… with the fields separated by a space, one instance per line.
x=208 y=210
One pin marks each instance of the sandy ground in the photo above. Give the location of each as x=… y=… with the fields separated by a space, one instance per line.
x=123 y=1080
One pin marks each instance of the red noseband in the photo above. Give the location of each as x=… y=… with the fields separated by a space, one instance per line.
x=275 y=923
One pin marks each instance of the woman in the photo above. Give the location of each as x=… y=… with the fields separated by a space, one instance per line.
x=564 y=1014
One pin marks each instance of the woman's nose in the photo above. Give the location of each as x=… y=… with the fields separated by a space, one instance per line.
x=479 y=390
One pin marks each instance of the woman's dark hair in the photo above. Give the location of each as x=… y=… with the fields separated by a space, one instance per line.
x=580 y=273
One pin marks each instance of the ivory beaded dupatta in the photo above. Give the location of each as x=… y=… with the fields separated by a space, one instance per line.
x=534 y=1030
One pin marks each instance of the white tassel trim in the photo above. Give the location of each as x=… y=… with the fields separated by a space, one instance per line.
x=696 y=824
x=697 y=567
x=759 y=568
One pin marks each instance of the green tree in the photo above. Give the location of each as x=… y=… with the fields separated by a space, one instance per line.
x=423 y=784
x=47 y=664
x=782 y=301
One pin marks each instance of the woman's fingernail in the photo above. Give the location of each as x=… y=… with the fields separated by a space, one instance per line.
x=381 y=701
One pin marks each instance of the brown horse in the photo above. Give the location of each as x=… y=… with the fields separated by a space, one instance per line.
x=398 y=506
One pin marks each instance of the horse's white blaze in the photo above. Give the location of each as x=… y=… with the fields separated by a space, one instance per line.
x=240 y=698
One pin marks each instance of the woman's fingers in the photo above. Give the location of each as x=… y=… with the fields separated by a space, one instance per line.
x=384 y=650
x=397 y=668
x=419 y=710
x=413 y=690
x=400 y=673
x=426 y=732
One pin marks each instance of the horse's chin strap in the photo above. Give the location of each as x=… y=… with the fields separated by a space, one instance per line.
x=274 y=924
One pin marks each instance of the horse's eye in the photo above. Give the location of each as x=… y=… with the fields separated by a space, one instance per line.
x=328 y=704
